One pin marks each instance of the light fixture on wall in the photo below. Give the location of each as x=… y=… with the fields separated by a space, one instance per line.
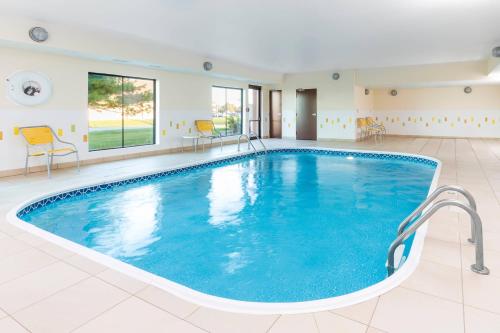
x=367 y=91
x=28 y=88
x=467 y=90
x=394 y=92
x=207 y=66
x=496 y=52
x=38 y=34
x=335 y=76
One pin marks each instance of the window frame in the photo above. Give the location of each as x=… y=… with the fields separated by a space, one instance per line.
x=123 y=119
x=241 y=112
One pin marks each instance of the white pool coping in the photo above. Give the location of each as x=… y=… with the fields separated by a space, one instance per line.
x=225 y=304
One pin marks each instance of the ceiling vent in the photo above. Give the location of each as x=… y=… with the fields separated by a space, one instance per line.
x=207 y=65
x=38 y=34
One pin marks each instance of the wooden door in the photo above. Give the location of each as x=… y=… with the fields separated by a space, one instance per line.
x=306 y=114
x=275 y=114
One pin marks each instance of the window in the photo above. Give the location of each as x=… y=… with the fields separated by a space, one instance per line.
x=227 y=107
x=121 y=111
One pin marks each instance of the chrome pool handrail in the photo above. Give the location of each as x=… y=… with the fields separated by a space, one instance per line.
x=430 y=199
x=248 y=136
x=477 y=267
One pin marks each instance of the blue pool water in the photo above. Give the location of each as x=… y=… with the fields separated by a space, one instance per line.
x=282 y=227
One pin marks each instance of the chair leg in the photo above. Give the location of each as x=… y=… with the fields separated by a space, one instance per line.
x=48 y=164
x=77 y=161
x=26 y=165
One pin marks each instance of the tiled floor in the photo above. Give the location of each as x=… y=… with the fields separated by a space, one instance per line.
x=44 y=288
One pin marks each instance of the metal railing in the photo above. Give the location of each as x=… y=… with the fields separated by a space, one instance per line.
x=476 y=226
x=250 y=144
x=430 y=199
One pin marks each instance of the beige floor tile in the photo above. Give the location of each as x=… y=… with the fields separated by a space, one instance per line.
x=478 y=321
x=482 y=291
x=10 y=246
x=374 y=330
x=361 y=312
x=330 y=322
x=71 y=307
x=222 y=322
x=85 y=264
x=22 y=263
x=122 y=281
x=300 y=323
x=135 y=315
x=441 y=252
x=167 y=301
x=406 y=311
x=9 y=325
x=30 y=239
x=436 y=279
x=33 y=287
x=55 y=250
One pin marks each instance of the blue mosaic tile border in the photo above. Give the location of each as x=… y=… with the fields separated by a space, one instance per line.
x=96 y=188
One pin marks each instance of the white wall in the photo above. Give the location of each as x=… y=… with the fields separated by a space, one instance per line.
x=335 y=104
x=182 y=99
x=445 y=111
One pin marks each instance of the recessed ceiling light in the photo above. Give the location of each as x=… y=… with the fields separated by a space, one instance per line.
x=496 y=52
x=38 y=34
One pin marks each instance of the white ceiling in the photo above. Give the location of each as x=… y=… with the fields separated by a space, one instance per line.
x=291 y=35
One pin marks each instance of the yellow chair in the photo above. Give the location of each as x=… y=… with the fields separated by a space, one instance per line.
x=40 y=142
x=363 y=126
x=374 y=127
x=206 y=130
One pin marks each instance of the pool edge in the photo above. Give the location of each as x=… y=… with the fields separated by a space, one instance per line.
x=225 y=304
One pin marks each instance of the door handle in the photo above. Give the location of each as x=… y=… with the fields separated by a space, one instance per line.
x=314 y=114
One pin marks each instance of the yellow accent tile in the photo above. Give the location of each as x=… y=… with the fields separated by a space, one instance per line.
x=183 y=123
x=485 y=119
x=478 y=125
x=452 y=124
x=1 y=135
x=471 y=119
x=73 y=128
x=333 y=122
x=465 y=121
x=433 y=119
x=164 y=132
x=397 y=118
x=321 y=126
x=60 y=132
x=493 y=121
x=16 y=130
x=85 y=138
x=350 y=120
x=177 y=126
x=289 y=125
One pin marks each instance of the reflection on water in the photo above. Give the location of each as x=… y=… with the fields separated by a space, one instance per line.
x=130 y=231
x=226 y=196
